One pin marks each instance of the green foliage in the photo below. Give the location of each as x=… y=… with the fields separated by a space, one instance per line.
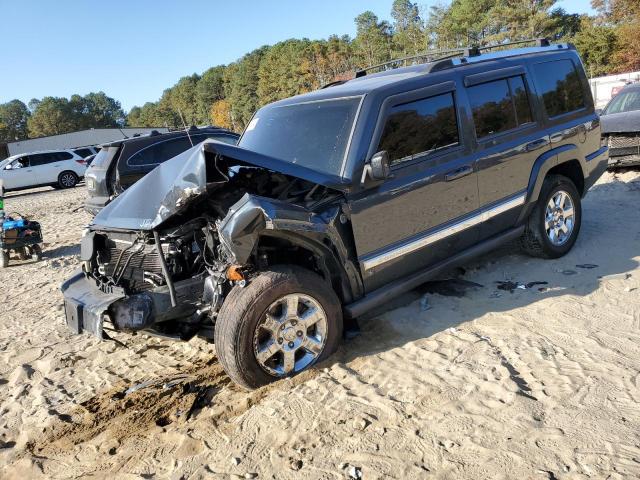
x=596 y=45
x=56 y=115
x=13 y=121
x=228 y=95
x=373 y=39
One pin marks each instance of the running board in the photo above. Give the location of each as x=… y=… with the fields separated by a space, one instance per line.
x=386 y=293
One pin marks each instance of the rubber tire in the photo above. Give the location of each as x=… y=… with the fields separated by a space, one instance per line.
x=36 y=253
x=534 y=240
x=60 y=185
x=243 y=307
x=4 y=259
x=24 y=254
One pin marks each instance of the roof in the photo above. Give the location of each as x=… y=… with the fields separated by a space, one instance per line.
x=369 y=83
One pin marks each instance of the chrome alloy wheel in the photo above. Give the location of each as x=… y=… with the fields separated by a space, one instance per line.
x=291 y=335
x=559 y=218
x=68 y=180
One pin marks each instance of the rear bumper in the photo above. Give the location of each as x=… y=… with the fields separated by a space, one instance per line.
x=87 y=308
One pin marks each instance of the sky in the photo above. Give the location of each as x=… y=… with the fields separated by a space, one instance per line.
x=133 y=50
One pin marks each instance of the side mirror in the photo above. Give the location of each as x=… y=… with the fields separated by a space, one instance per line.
x=599 y=111
x=378 y=167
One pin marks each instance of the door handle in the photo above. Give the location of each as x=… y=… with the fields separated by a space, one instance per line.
x=458 y=173
x=536 y=144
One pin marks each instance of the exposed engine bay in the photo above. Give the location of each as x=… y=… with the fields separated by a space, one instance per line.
x=172 y=278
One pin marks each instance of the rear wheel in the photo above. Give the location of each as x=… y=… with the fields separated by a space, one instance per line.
x=67 y=179
x=284 y=321
x=554 y=223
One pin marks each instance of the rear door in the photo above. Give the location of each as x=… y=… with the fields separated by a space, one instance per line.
x=416 y=216
x=508 y=140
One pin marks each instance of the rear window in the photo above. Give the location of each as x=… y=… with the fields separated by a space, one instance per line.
x=162 y=151
x=83 y=152
x=418 y=128
x=499 y=106
x=560 y=86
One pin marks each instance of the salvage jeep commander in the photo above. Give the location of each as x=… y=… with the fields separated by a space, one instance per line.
x=335 y=201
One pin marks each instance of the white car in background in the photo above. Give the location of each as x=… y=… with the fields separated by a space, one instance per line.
x=57 y=168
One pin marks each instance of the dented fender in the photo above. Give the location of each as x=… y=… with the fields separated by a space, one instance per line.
x=254 y=216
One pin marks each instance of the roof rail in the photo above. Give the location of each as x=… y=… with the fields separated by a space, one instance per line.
x=436 y=55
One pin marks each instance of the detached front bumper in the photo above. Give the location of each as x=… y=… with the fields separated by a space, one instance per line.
x=85 y=305
x=87 y=308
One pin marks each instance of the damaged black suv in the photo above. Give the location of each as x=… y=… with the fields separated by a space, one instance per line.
x=335 y=201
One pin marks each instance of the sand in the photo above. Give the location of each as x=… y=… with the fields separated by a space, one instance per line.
x=541 y=383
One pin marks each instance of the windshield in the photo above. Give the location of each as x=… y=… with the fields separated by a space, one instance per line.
x=312 y=134
x=624 y=102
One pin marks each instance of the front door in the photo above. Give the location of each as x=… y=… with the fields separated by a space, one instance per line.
x=417 y=215
x=18 y=174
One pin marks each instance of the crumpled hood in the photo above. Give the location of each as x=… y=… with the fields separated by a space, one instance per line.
x=170 y=187
x=620 y=122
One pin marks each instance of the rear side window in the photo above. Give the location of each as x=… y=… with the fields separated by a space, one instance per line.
x=499 y=106
x=560 y=87
x=62 y=156
x=83 y=152
x=160 y=152
x=419 y=128
x=43 y=158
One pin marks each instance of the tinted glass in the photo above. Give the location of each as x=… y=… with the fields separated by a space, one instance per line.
x=42 y=159
x=521 y=100
x=624 y=102
x=560 y=87
x=62 y=156
x=420 y=127
x=161 y=151
x=492 y=108
x=83 y=152
x=314 y=135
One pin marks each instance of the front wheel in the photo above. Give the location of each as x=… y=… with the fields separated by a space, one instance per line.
x=285 y=320
x=554 y=223
x=36 y=253
x=67 y=180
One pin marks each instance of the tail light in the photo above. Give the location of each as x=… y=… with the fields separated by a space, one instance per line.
x=81 y=162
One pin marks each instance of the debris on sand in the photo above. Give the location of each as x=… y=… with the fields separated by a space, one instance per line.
x=355 y=472
x=587 y=265
x=615 y=276
x=510 y=286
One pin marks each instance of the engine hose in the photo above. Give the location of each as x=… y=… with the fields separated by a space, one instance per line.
x=165 y=270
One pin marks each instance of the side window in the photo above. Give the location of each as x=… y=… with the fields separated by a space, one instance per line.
x=41 y=159
x=21 y=162
x=499 y=106
x=559 y=84
x=420 y=127
x=160 y=152
x=62 y=156
x=521 y=100
x=83 y=152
